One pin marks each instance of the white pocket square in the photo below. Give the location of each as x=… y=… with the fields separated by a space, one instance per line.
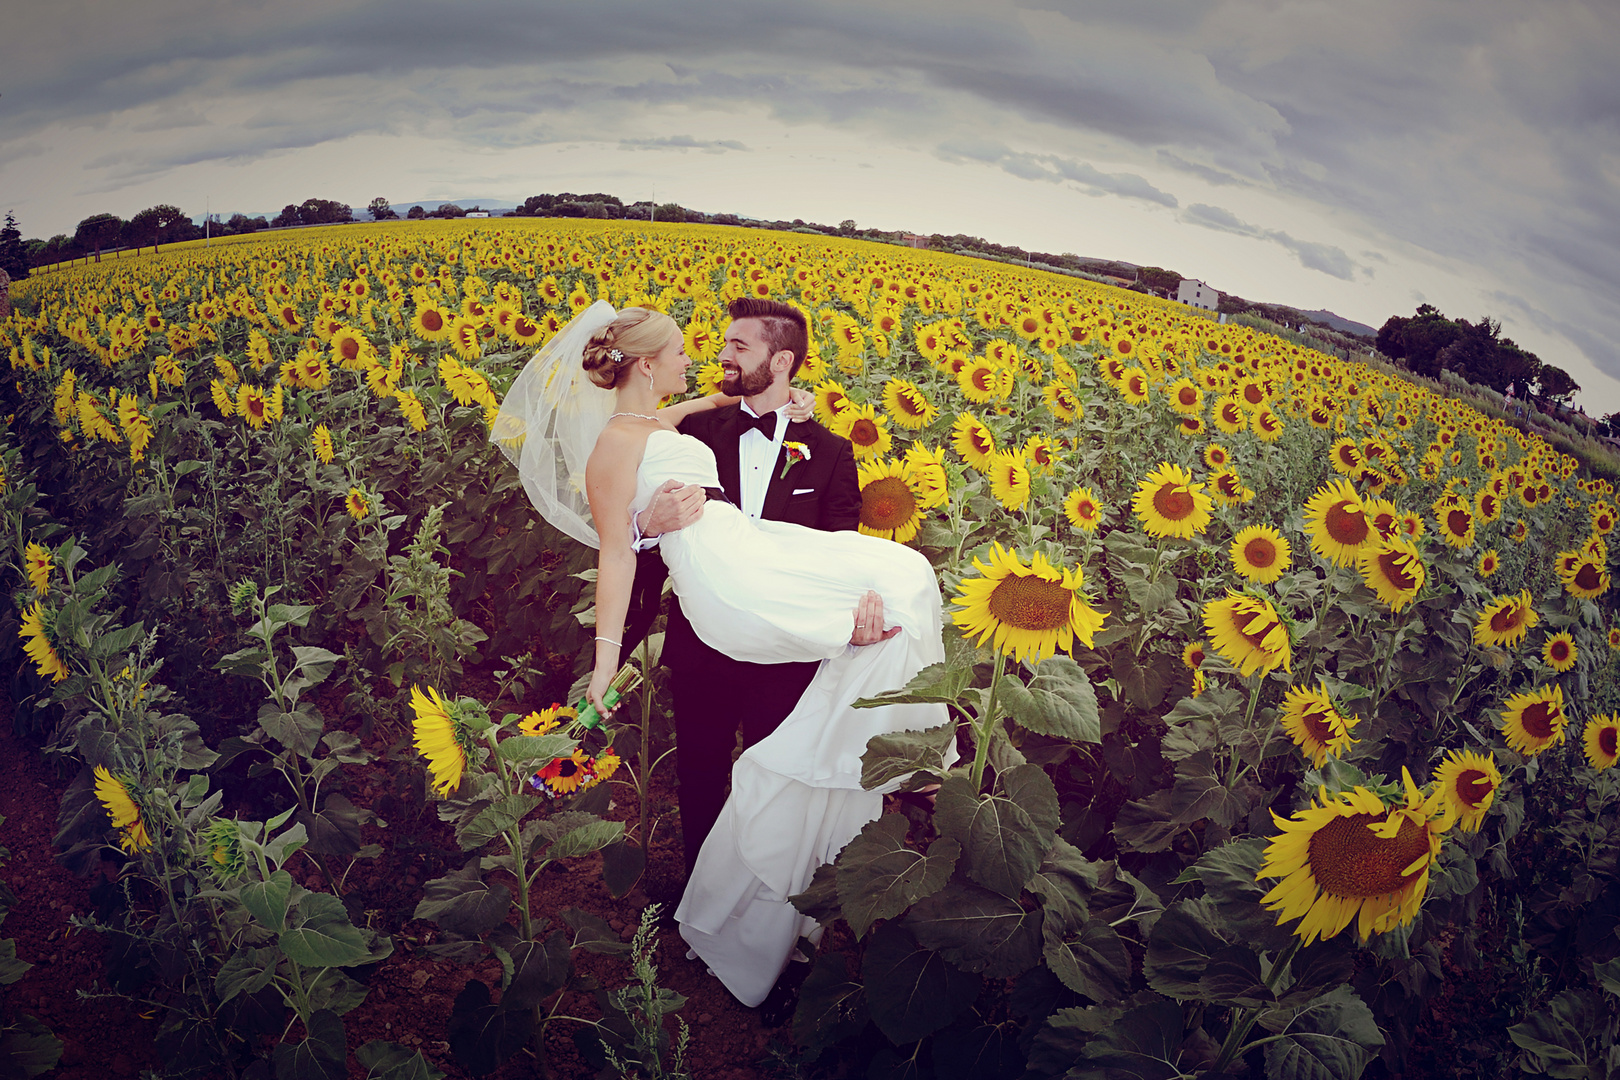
x=803 y=491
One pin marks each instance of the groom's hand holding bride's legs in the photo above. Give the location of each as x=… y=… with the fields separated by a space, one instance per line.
x=673 y=506
x=869 y=621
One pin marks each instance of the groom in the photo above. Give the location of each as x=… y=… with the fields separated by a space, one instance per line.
x=713 y=694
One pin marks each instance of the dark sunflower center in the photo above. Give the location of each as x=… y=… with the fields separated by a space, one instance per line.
x=1538 y=719
x=863 y=433
x=1587 y=577
x=1187 y=396
x=1507 y=619
x=1459 y=522
x=567 y=768
x=1347 y=859
x=1257 y=628
x=1228 y=486
x=1609 y=741
x=1229 y=413
x=1473 y=786
x=1260 y=552
x=1173 y=502
x=1125 y=345
x=1392 y=563
x=1316 y=722
x=1085 y=509
x=1346 y=524
x=1348 y=457
x=981 y=379
x=432 y=321
x=887 y=503
x=1029 y=602
x=1253 y=394
x=350 y=348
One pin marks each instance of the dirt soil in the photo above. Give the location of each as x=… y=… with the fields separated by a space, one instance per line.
x=411 y=993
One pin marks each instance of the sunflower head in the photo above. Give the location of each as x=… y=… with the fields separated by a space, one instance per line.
x=1467 y=784
x=1260 y=553
x=1393 y=568
x=221 y=845
x=1028 y=611
x=1316 y=724
x=1082 y=509
x=1601 y=741
x=1169 y=503
x=892 y=500
x=1559 y=651
x=1506 y=620
x=1535 y=720
x=118 y=796
x=1248 y=632
x=446 y=735
x=1337 y=523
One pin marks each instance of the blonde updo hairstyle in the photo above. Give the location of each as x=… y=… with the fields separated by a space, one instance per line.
x=636 y=333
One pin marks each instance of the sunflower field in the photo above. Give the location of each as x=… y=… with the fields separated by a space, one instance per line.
x=1286 y=688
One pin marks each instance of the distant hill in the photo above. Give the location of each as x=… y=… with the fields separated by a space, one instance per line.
x=1340 y=323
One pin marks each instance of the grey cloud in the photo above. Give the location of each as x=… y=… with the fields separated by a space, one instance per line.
x=1055 y=169
x=1325 y=258
x=1203 y=172
x=682 y=142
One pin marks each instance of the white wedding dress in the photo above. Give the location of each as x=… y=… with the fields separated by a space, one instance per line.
x=771 y=592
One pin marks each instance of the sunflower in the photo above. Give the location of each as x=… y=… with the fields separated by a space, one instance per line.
x=1336 y=522
x=358 y=506
x=1267 y=427
x=1042 y=454
x=565 y=774
x=1614 y=637
x=1009 y=479
x=1505 y=620
x=1393 y=568
x=250 y=405
x=1353 y=858
x=1029 y=611
x=1168 y=503
x=1193 y=654
x=1315 y=723
x=350 y=349
x=1062 y=401
x=1467 y=782
x=431 y=323
x=980 y=380
x=440 y=737
x=36 y=629
x=891 y=502
x=605 y=764
x=1084 y=511
x=1260 y=553
x=1345 y=457
x=411 y=407
x=1456 y=526
x=1489 y=563
x=1586 y=579
x=223 y=842
x=1533 y=721
x=1134 y=386
x=220 y=393
x=866 y=430
x=114 y=793
x=322 y=440
x=541 y=722
x=974 y=442
x=905 y=403
x=1229 y=416
x=925 y=467
x=1559 y=652
x=1601 y=741
x=37 y=560
x=1247 y=631
x=1185 y=397
x=1226 y=487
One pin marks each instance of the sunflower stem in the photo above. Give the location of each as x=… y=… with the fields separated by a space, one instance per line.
x=1248 y=718
x=1240 y=1028
x=981 y=732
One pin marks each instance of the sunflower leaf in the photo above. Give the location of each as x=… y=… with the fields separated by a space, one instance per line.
x=493 y=820
x=900 y=753
x=936 y=683
x=1092 y=960
x=1058 y=701
x=586 y=839
x=1143 y=1044
x=878 y=876
x=1004 y=847
x=532 y=748
x=462 y=903
x=1334 y=1038
x=1187 y=957
x=832 y=1006
x=911 y=991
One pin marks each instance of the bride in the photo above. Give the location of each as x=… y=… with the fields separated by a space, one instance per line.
x=757 y=590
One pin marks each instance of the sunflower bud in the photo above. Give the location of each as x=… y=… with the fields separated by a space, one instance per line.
x=243 y=593
x=222 y=849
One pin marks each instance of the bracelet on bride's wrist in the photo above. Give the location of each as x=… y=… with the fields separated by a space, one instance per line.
x=610 y=641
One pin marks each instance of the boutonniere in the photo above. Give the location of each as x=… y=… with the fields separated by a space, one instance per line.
x=792 y=453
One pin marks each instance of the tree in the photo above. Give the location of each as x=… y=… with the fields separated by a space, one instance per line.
x=1555 y=383
x=847 y=226
x=241 y=223
x=1157 y=277
x=381 y=211
x=154 y=226
x=324 y=212
x=98 y=231
x=415 y=213
x=448 y=210
x=288 y=217
x=13 y=257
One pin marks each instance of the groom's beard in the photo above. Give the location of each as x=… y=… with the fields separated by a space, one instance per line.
x=747 y=383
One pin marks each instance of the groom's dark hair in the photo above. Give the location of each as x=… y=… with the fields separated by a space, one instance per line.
x=785 y=327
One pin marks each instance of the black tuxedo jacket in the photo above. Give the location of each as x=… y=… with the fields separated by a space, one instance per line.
x=821 y=493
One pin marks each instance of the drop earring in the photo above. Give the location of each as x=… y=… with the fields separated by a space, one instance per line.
x=649 y=380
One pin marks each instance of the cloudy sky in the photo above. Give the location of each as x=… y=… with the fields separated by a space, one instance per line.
x=1361 y=156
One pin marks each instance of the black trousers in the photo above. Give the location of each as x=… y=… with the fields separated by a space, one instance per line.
x=715 y=696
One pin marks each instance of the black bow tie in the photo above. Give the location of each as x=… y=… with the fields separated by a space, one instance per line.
x=765 y=425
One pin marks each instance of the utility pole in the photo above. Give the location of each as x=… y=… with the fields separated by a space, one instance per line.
x=652 y=211
x=208 y=222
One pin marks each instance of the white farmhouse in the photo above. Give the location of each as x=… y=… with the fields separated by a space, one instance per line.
x=1197 y=293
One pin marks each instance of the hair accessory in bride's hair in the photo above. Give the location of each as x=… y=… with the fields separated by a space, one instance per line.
x=616 y=356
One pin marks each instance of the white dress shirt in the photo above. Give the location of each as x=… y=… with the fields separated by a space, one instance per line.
x=756 y=457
